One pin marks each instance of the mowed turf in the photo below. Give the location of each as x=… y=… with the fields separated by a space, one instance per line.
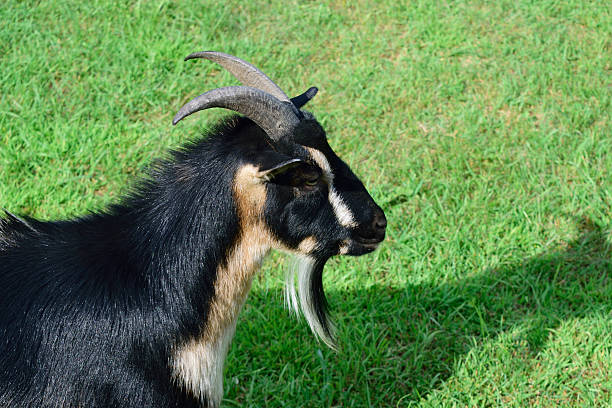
x=482 y=128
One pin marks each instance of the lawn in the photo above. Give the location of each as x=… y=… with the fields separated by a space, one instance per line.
x=483 y=129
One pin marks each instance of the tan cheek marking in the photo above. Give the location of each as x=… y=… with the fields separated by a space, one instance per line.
x=249 y=193
x=345 y=246
x=308 y=245
x=199 y=363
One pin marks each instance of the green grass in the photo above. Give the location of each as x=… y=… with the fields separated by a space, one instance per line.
x=482 y=128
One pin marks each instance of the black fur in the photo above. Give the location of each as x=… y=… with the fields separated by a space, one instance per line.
x=90 y=308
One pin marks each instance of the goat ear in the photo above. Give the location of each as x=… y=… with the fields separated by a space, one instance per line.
x=269 y=172
x=302 y=99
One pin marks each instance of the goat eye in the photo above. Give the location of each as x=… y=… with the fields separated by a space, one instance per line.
x=310 y=177
x=311 y=182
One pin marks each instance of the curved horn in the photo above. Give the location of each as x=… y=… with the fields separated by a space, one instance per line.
x=303 y=99
x=246 y=73
x=276 y=118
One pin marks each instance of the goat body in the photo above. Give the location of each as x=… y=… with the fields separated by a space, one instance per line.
x=136 y=306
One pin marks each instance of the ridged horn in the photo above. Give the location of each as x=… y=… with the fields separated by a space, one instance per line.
x=276 y=118
x=245 y=72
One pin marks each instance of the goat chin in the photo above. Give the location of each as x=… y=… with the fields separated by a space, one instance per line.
x=308 y=297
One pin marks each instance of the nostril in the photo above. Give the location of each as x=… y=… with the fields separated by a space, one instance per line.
x=373 y=230
x=380 y=221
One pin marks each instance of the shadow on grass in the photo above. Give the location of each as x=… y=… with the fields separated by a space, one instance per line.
x=529 y=299
x=402 y=343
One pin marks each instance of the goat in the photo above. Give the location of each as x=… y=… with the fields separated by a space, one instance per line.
x=136 y=305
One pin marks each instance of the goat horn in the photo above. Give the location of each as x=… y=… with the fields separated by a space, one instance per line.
x=245 y=72
x=276 y=118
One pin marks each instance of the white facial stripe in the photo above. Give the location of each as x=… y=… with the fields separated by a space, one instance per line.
x=321 y=160
x=343 y=213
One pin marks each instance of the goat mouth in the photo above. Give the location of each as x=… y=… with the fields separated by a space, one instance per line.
x=362 y=246
x=374 y=241
x=367 y=241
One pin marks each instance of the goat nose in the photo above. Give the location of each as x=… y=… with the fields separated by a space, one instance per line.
x=380 y=221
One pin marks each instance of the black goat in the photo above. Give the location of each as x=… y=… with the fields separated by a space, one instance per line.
x=136 y=306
